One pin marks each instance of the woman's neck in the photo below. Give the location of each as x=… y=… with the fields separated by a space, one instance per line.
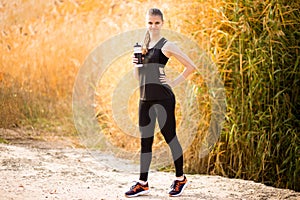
x=154 y=39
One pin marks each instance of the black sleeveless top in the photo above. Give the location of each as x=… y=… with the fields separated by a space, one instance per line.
x=153 y=67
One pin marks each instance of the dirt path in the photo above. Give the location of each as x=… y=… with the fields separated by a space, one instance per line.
x=72 y=173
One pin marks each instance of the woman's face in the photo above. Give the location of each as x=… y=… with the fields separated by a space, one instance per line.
x=154 y=23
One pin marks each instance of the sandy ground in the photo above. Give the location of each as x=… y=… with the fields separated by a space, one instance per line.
x=43 y=170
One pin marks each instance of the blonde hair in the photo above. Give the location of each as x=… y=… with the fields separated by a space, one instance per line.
x=147 y=39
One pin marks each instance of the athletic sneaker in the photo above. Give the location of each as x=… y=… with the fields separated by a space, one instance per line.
x=137 y=190
x=177 y=187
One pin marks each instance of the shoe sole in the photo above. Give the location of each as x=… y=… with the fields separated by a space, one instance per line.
x=185 y=185
x=138 y=194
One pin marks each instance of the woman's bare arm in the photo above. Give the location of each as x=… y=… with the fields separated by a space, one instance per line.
x=170 y=49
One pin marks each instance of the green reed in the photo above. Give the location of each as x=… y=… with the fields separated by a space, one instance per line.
x=260 y=140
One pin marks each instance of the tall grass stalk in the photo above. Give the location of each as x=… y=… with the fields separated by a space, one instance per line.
x=260 y=140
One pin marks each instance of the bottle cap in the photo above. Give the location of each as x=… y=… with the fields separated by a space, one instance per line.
x=137 y=45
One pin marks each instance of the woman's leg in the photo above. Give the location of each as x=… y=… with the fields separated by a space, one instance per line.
x=165 y=112
x=147 y=118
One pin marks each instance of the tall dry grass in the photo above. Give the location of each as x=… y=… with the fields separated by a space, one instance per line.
x=255 y=46
x=43 y=44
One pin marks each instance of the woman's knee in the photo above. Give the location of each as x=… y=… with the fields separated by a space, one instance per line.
x=146 y=144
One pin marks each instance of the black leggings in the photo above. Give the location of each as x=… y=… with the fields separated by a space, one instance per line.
x=163 y=111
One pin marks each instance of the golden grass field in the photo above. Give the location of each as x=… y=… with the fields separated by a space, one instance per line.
x=45 y=43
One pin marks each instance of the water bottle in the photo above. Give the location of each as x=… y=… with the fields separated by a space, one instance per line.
x=137 y=50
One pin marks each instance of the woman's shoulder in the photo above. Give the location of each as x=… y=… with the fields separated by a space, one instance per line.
x=169 y=44
x=169 y=47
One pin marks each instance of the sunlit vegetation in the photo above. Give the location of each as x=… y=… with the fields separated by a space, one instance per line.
x=254 y=43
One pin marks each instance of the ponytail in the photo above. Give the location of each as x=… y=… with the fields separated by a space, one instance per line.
x=146 y=43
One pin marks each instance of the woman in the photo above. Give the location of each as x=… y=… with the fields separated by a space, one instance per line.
x=157 y=101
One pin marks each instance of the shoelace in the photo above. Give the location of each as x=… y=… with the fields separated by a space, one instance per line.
x=175 y=185
x=133 y=186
